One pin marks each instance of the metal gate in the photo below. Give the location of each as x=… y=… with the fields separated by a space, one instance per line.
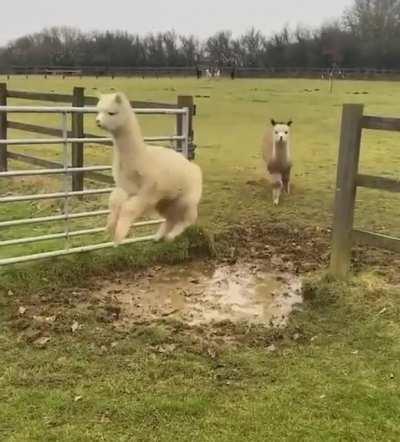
x=65 y=216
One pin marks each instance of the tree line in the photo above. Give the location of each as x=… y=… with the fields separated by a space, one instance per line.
x=367 y=35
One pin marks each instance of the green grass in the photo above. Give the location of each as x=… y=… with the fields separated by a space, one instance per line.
x=338 y=380
x=228 y=130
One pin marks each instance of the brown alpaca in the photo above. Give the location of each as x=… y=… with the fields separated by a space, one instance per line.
x=276 y=154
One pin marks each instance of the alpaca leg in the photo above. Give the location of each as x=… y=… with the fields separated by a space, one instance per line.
x=189 y=217
x=130 y=211
x=276 y=194
x=277 y=186
x=117 y=198
x=168 y=210
x=286 y=182
x=163 y=230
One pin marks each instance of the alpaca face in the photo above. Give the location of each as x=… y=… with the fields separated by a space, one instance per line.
x=114 y=111
x=281 y=132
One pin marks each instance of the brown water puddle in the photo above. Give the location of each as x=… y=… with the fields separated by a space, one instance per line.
x=200 y=294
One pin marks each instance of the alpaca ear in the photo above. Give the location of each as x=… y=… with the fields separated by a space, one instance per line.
x=289 y=123
x=273 y=122
x=118 y=98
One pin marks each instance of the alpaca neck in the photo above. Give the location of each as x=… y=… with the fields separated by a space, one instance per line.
x=281 y=151
x=129 y=139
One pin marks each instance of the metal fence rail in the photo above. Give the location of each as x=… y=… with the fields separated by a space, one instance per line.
x=66 y=195
x=95 y=140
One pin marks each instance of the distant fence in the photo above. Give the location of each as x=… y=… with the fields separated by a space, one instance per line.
x=348 y=179
x=239 y=72
x=77 y=131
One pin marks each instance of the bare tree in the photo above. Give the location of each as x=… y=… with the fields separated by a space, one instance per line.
x=218 y=48
x=376 y=25
x=190 y=49
x=371 y=19
x=252 y=45
x=367 y=35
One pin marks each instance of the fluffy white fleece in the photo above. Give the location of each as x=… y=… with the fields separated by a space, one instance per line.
x=147 y=178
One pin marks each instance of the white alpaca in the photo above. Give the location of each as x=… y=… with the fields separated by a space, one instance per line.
x=148 y=178
x=277 y=157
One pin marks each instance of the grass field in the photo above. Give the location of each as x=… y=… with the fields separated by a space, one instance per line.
x=334 y=375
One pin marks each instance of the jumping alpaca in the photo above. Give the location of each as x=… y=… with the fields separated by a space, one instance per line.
x=148 y=178
x=276 y=154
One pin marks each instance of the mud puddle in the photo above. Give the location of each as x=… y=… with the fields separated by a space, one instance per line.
x=201 y=294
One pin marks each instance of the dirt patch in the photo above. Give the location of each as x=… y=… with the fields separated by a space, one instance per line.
x=288 y=249
x=202 y=294
x=298 y=250
x=253 y=283
x=199 y=304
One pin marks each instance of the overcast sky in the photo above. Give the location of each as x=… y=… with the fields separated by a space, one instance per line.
x=199 y=17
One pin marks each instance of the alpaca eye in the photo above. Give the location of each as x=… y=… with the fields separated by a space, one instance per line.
x=112 y=114
x=286 y=132
x=276 y=132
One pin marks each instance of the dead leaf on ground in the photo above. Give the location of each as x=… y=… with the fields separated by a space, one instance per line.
x=166 y=348
x=42 y=342
x=75 y=326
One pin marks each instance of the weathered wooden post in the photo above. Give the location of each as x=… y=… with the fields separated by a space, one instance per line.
x=349 y=153
x=186 y=101
x=78 y=131
x=3 y=128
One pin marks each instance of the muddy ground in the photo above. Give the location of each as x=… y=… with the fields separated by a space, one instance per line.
x=253 y=282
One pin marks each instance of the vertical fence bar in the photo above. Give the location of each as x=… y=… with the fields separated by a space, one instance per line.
x=77 y=126
x=185 y=132
x=64 y=129
x=185 y=101
x=349 y=154
x=3 y=129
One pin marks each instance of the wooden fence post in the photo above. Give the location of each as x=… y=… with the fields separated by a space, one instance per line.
x=186 y=101
x=78 y=131
x=347 y=169
x=3 y=128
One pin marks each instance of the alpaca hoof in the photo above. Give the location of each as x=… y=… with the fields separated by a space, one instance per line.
x=117 y=240
x=158 y=237
x=170 y=238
